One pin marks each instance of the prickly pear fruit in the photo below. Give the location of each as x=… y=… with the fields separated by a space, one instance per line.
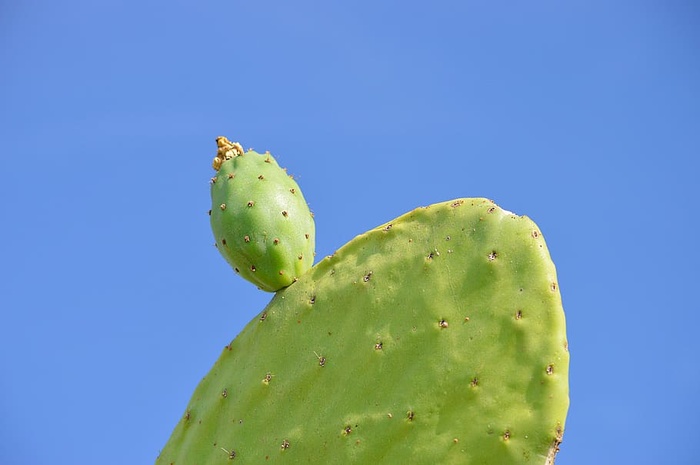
x=436 y=338
x=261 y=222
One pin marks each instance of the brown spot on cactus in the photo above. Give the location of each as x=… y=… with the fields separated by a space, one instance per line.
x=410 y=415
x=367 y=276
x=554 y=448
x=224 y=393
x=443 y=324
x=293 y=191
x=518 y=314
x=492 y=255
x=251 y=203
x=285 y=213
x=246 y=238
x=550 y=369
x=506 y=435
x=222 y=206
x=285 y=445
x=378 y=346
x=261 y=177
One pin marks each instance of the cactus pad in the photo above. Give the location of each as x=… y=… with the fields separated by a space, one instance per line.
x=438 y=337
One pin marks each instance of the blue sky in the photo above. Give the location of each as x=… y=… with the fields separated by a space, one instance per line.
x=583 y=115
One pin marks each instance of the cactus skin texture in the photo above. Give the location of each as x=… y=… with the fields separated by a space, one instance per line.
x=261 y=222
x=436 y=338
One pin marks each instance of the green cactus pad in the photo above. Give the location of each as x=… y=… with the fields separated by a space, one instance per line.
x=261 y=222
x=436 y=338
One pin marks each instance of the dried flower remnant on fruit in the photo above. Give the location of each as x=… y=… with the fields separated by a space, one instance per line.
x=225 y=151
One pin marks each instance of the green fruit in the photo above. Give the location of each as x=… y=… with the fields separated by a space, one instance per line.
x=260 y=220
x=436 y=338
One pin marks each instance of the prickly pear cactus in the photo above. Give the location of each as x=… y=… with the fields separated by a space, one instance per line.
x=260 y=219
x=436 y=338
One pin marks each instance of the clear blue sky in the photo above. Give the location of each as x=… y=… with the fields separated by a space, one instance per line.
x=583 y=115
